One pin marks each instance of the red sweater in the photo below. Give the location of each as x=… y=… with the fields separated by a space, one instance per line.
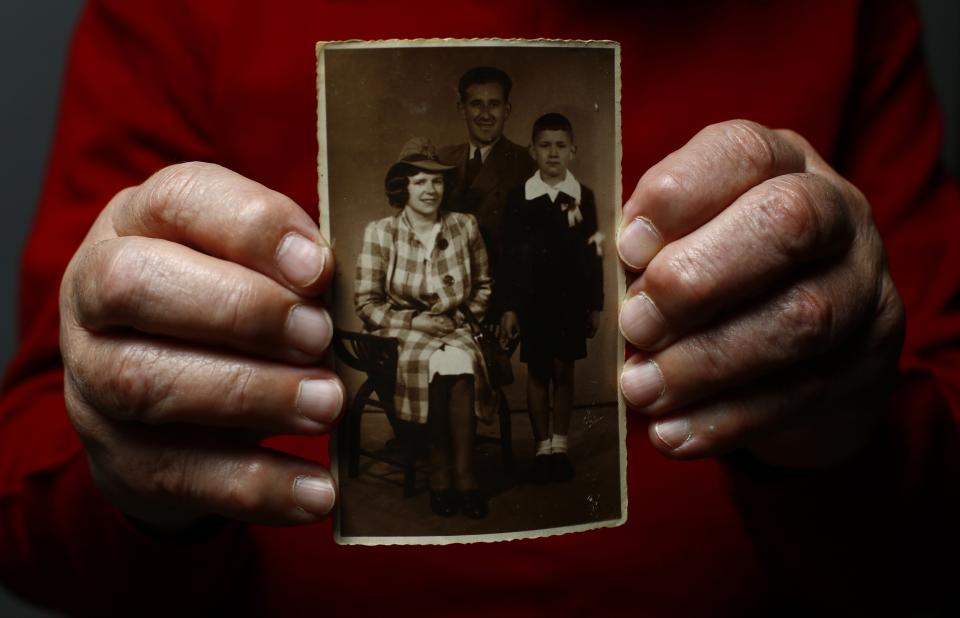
x=154 y=83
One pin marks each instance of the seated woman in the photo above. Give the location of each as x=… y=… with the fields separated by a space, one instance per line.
x=416 y=270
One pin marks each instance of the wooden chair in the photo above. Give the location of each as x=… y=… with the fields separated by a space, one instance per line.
x=377 y=358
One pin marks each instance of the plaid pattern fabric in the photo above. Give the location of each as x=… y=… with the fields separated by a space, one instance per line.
x=393 y=285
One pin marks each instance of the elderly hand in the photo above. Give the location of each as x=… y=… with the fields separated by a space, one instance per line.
x=764 y=316
x=189 y=331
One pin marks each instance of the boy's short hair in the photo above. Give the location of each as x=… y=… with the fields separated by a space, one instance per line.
x=484 y=75
x=551 y=122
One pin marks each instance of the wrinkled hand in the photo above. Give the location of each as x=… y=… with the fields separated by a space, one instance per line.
x=509 y=326
x=434 y=325
x=189 y=331
x=764 y=316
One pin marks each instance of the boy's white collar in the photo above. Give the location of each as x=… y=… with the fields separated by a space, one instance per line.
x=535 y=187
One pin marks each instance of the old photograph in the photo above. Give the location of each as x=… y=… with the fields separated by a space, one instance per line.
x=471 y=190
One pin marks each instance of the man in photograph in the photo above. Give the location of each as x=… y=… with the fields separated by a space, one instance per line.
x=489 y=165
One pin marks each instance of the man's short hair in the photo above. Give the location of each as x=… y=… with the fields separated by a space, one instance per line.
x=484 y=75
x=551 y=122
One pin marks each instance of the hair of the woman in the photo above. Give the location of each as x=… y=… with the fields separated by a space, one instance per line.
x=397 y=182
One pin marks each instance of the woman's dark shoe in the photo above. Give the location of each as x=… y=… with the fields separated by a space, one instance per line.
x=542 y=469
x=473 y=504
x=445 y=502
x=562 y=467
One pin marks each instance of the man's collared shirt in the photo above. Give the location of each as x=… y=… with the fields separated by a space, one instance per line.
x=484 y=150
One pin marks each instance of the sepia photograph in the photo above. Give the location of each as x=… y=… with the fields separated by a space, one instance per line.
x=471 y=191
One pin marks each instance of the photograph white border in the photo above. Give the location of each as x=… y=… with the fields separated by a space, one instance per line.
x=324 y=198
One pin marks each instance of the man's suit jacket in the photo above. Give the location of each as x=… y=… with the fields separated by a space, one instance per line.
x=507 y=166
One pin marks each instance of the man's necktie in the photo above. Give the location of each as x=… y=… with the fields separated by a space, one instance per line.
x=473 y=166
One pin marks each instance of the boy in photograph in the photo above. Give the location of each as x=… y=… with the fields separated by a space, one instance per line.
x=553 y=287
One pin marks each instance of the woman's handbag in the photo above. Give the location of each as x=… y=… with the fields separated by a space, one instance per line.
x=495 y=356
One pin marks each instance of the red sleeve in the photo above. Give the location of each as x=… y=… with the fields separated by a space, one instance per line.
x=133 y=103
x=892 y=153
x=894 y=158
x=896 y=504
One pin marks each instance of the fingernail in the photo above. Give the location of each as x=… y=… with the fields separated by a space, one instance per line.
x=309 y=329
x=300 y=260
x=638 y=243
x=642 y=384
x=313 y=494
x=674 y=432
x=320 y=400
x=641 y=322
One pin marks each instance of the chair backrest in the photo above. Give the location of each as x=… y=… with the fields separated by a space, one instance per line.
x=373 y=355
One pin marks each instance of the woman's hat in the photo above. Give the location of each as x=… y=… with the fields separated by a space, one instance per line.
x=418 y=153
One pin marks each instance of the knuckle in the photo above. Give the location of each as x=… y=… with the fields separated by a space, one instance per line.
x=787 y=216
x=889 y=327
x=82 y=415
x=236 y=387
x=113 y=285
x=807 y=318
x=711 y=358
x=78 y=290
x=752 y=142
x=665 y=186
x=70 y=333
x=686 y=273
x=171 y=475
x=165 y=203
x=80 y=370
x=259 y=209
x=790 y=135
x=133 y=387
x=857 y=211
x=243 y=489
x=122 y=198
x=234 y=309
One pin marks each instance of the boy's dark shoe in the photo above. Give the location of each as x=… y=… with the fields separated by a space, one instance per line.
x=542 y=469
x=562 y=467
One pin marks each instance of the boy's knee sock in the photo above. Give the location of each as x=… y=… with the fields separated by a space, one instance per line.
x=558 y=443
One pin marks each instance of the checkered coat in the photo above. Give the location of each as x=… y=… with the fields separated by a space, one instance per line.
x=391 y=288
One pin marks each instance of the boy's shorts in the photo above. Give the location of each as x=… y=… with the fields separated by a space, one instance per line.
x=550 y=334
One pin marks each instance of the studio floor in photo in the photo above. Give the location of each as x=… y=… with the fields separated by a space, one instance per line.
x=374 y=505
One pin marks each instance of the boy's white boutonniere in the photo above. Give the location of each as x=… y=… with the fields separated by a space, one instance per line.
x=573 y=212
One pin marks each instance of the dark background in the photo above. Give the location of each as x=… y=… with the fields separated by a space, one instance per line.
x=33 y=45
